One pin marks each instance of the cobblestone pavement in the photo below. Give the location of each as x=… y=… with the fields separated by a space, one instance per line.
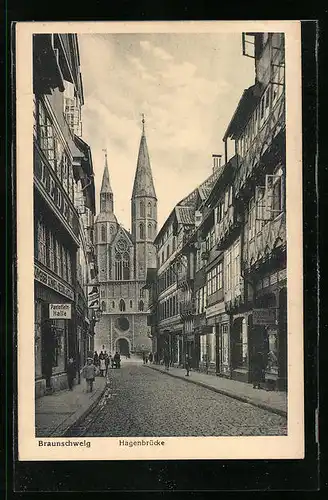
x=143 y=402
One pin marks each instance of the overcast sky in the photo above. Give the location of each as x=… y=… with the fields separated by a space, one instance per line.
x=187 y=85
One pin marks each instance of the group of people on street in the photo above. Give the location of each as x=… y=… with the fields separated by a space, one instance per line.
x=99 y=364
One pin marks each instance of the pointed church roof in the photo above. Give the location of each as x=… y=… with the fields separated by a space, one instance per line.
x=143 y=180
x=105 y=185
x=106 y=215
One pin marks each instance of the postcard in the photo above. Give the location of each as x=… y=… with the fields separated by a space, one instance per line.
x=159 y=240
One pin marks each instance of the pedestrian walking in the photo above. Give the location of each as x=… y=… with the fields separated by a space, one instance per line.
x=107 y=360
x=144 y=357
x=188 y=365
x=117 y=360
x=71 y=373
x=167 y=362
x=102 y=366
x=258 y=369
x=95 y=359
x=89 y=373
x=150 y=357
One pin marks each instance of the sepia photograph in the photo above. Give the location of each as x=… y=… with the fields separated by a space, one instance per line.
x=162 y=190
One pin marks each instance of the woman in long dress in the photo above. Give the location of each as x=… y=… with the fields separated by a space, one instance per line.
x=102 y=366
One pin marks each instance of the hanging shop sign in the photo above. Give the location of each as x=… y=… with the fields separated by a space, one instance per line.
x=60 y=311
x=264 y=317
x=93 y=297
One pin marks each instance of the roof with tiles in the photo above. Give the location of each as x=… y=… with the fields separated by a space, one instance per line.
x=185 y=215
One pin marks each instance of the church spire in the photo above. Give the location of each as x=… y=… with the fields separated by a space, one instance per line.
x=105 y=185
x=143 y=180
x=106 y=193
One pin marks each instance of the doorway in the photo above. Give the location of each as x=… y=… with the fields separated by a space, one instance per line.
x=122 y=346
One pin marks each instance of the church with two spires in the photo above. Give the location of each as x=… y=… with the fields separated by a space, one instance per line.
x=123 y=258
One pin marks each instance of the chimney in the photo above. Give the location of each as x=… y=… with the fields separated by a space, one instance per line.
x=216 y=162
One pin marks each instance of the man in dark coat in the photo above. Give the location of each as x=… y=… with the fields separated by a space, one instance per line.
x=258 y=369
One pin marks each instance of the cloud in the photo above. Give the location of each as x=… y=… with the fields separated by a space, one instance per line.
x=187 y=103
x=156 y=51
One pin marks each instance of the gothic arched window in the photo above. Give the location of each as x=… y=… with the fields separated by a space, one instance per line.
x=122 y=305
x=103 y=232
x=131 y=304
x=103 y=306
x=122 y=266
x=149 y=210
x=126 y=266
x=142 y=209
x=141 y=305
x=150 y=231
x=113 y=305
x=142 y=231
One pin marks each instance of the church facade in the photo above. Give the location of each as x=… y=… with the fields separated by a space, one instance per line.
x=123 y=258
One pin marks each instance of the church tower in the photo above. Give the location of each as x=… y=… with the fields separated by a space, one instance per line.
x=105 y=226
x=143 y=212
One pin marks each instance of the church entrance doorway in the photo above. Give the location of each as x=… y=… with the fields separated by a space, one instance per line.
x=122 y=346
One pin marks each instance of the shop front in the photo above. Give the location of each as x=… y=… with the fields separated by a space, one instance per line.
x=239 y=347
x=217 y=342
x=54 y=332
x=269 y=321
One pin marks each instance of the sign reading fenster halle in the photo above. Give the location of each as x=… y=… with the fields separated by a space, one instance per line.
x=60 y=311
x=93 y=297
x=264 y=316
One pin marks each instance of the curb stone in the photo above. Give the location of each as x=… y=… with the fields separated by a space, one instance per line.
x=62 y=429
x=243 y=399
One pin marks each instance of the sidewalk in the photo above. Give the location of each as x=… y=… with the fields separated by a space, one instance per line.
x=273 y=401
x=55 y=413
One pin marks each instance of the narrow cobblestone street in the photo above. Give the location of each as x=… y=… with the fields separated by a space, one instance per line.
x=139 y=401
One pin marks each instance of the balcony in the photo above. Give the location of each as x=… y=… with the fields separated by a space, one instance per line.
x=266 y=243
x=227 y=228
x=272 y=131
